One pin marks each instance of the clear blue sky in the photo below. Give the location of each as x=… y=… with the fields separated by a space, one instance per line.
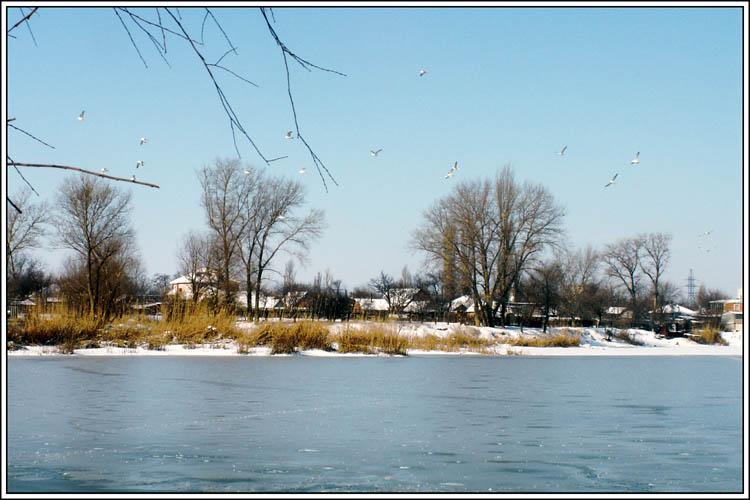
x=504 y=86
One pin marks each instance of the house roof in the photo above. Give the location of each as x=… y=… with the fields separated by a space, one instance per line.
x=677 y=309
x=265 y=302
x=372 y=304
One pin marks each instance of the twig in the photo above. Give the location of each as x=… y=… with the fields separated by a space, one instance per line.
x=279 y=158
x=234 y=49
x=121 y=179
x=233 y=119
x=159 y=48
x=28 y=25
x=232 y=72
x=24 y=19
x=131 y=37
x=163 y=34
x=35 y=138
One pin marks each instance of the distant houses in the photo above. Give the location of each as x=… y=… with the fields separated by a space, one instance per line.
x=730 y=312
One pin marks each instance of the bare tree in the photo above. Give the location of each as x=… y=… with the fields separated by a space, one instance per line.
x=545 y=282
x=622 y=263
x=581 y=281
x=492 y=230
x=226 y=191
x=656 y=254
x=195 y=260
x=24 y=228
x=94 y=224
x=274 y=226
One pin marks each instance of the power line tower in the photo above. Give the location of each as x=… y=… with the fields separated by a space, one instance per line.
x=691 y=287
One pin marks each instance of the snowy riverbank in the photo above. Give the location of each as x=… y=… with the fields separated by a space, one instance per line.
x=593 y=341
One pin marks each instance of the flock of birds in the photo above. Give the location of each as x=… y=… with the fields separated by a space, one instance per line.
x=138 y=164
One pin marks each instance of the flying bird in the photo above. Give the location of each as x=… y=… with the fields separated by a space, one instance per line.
x=143 y=139
x=139 y=163
x=302 y=171
x=80 y=117
x=248 y=171
x=706 y=233
x=289 y=135
x=449 y=175
x=611 y=181
x=562 y=151
x=104 y=170
x=454 y=167
x=375 y=153
x=422 y=72
x=635 y=161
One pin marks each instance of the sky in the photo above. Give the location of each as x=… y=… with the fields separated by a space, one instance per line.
x=504 y=86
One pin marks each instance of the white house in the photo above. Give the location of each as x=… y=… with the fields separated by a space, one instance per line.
x=265 y=302
x=183 y=287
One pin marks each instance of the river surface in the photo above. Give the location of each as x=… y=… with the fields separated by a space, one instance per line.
x=473 y=424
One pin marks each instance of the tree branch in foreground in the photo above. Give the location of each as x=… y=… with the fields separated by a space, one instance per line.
x=121 y=179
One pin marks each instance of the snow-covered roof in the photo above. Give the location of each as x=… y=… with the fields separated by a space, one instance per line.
x=266 y=302
x=373 y=304
x=677 y=309
x=465 y=301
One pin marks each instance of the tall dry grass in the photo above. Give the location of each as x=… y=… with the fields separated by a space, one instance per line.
x=709 y=335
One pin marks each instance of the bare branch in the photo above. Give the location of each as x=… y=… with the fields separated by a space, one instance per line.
x=13 y=205
x=35 y=138
x=28 y=25
x=232 y=72
x=121 y=179
x=222 y=31
x=233 y=119
x=131 y=37
x=24 y=19
x=163 y=34
x=160 y=26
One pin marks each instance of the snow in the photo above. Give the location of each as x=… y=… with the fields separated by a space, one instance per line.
x=593 y=342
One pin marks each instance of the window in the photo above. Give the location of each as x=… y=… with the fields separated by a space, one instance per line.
x=736 y=307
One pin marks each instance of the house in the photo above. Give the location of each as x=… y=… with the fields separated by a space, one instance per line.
x=731 y=312
x=183 y=286
x=365 y=305
x=266 y=302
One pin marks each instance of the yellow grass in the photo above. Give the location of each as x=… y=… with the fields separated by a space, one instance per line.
x=709 y=335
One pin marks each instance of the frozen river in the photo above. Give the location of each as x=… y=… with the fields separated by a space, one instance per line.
x=479 y=424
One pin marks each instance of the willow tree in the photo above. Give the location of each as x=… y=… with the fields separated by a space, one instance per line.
x=493 y=229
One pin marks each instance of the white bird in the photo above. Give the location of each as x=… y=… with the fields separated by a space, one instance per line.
x=422 y=72
x=80 y=117
x=635 y=161
x=706 y=233
x=611 y=181
x=133 y=178
x=104 y=170
x=375 y=153
x=247 y=171
x=289 y=135
x=281 y=217
x=143 y=139
x=139 y=163
x=454 y=167
x=562 y=151
x=449 y=175
x=302 y=171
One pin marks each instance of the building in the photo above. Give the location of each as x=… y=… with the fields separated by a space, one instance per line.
x=730 y=311
x=183 y=286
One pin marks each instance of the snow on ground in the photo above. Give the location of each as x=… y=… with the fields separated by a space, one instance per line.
x=593 y=341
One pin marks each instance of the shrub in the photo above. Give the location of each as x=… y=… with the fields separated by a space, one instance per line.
x=709 y=336
x=561 y=339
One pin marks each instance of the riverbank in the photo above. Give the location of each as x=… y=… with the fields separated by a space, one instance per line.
x=494 y=341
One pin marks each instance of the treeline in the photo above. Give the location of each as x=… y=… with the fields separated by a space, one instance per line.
x=499 y=242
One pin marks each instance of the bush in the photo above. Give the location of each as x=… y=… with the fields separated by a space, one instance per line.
x=709 y=336
x=562 y=339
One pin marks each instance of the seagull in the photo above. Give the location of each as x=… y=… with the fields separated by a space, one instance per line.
x=302 y=171
x=422 y=72
x=248 y=171
x=143 y=139
x=635 y=161
x=449 y=175
x=289 y=135
x=140 y=163
x=562 y=151
x=611 y=181
x=706 y=233
x=80 y=117
x=133 y=178
x=375 y=153
x=281 y=217
x=454 y=167
x=104 y=170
